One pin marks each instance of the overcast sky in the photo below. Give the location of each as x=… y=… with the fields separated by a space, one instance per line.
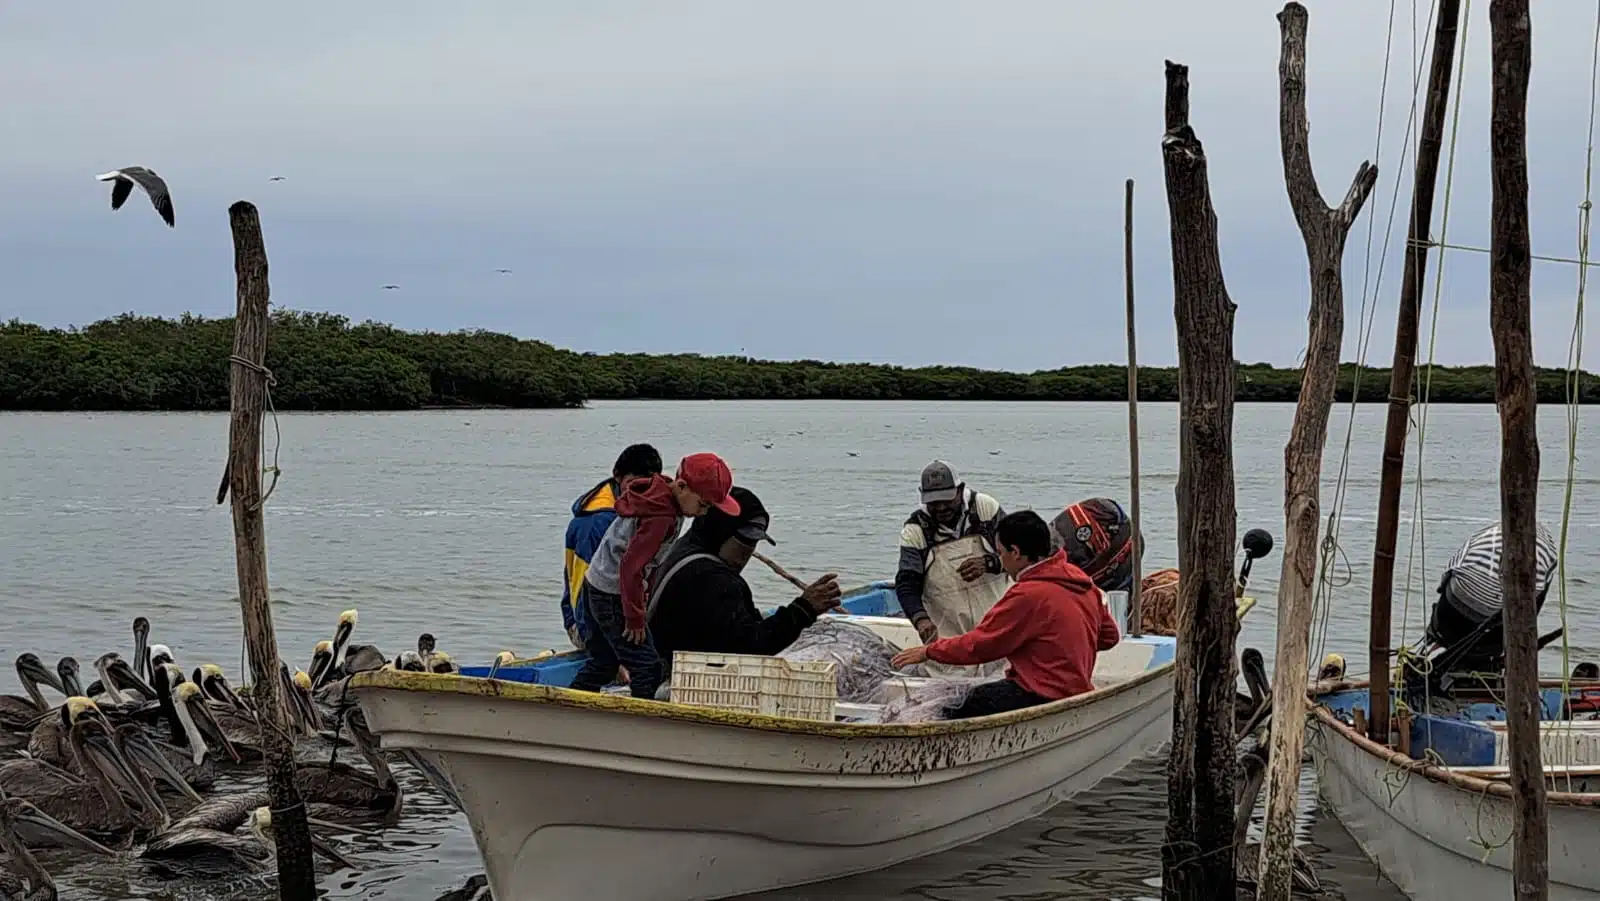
x=908 y=182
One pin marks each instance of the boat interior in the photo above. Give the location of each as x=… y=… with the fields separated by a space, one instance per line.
x=876 y=608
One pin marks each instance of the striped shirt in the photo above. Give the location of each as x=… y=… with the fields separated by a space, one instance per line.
x=1474 y=571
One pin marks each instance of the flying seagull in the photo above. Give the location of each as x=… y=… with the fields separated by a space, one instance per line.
x=391 y=287
x=503 y=271
x=123 y=181
x=276 y=178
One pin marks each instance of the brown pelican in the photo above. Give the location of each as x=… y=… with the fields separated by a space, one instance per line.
x=150 y=760
x=346 y=658
x=214 y=685
x=411 y=662
x=204 y=841
x=67 y=672
x=20 y=713
x=100 y=803
x=300 y=702
x=236 y=729
x=123 y=691
x=21 y=876
x=426 y=645
x=194 y=727
x=141 y=647
x=159 y=654
x=343 y=786
x=441 y=662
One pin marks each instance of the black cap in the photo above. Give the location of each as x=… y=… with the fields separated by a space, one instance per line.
x=750 y=526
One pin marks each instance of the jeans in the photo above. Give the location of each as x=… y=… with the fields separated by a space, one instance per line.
x=608 y=649
x=999 y=696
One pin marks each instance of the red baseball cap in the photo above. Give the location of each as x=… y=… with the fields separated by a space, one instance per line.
x=709 y=477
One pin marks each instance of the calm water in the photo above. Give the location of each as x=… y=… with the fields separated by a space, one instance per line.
x=451 y=522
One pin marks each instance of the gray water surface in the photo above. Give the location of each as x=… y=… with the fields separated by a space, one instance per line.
x=451 y=522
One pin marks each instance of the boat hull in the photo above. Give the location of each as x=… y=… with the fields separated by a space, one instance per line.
x=1439 y=840
x=568 y=798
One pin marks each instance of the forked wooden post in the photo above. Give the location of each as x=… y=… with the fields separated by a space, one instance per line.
x=1135 y=599
x=1510 y=314
x=1197 y=859
x=248 y=386
x=1324 y=229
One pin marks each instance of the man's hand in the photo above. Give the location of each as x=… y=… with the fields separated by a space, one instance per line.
x=574 y=637
x=926 y=630
x=823 y=594
x=635 y=636
x=910 y=657
x=972 y=569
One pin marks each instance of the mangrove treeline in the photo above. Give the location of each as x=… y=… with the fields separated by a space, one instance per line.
x=322 y=361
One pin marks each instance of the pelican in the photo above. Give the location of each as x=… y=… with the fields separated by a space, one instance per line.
x=425 y=648
x=443 y=663
x=99 y=803
x=341 y=785
x=121 y=688
x=191 y=722
x=1332 y=668
x=504 y=658
x=67 y=672
x=125 y=178
x=347 y=658
x=411 y=662
x=299 y=699
x=204 y=842
x=214 y=684
x=159 y=654
x=321 y=660
x=21 y=876
x=236 y=729
x=20 y=713
x=142 y=652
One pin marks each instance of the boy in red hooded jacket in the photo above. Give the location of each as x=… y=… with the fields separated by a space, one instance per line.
x=1050 y=625
x=650 y=512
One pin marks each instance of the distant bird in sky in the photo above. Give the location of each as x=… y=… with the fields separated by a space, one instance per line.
x=503 y=271
x=276 y=178
x=391 y=287
x=123 y=180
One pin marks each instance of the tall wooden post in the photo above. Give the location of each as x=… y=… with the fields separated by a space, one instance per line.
x=248 y=386
x=1198 y=856
x=1403 y=369
x=1510 y=314
x=1324 y=229
x=1135 y=599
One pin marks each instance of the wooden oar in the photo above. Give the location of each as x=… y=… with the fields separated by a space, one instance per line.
x=782 y=573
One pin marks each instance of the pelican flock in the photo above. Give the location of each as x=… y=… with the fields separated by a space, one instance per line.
x=129 y=767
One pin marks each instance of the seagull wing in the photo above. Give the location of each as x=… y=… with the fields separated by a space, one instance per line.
x=120 y=189
x=156 y=188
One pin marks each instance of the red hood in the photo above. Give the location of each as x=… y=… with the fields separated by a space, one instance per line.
x=647 y=497
x=1055 y=568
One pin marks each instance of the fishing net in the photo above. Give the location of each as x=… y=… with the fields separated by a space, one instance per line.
x=1158 y=602
x=861 y=656
x=923 y=702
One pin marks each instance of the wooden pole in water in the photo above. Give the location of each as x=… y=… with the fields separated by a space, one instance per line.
x=1135 y=600
x=248 y=386
x=1198 y=855
x=1403 y=369
x=1510 y=314
x=1324 y=229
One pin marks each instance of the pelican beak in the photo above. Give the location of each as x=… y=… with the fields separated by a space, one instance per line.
x=208 y=725
x=146 y=754
x=141 y=647
x=127 y=678
x=321 y=663
x=26 y=812
x=29 y=666
x=104 y=756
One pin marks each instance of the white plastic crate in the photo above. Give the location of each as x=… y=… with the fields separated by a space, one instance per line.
x=752 y=683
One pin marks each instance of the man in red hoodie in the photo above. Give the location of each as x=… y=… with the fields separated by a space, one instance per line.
x=1050 y=625
x=650 y=511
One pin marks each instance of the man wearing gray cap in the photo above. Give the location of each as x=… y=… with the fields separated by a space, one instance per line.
x=949 y=573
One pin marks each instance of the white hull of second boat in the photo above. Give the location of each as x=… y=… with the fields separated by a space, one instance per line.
x=1429 y=837
x=570 y=796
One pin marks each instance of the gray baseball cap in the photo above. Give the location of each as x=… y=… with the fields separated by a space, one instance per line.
x=939 y=483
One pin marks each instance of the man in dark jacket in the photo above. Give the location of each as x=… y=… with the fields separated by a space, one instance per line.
x=699 y=601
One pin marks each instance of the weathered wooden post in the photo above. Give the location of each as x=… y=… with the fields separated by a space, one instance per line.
x=1198 y=856
x=1135 y=601
x=1510 y=314
x=1430 y=140
x=1324 y=229
x=248 y=386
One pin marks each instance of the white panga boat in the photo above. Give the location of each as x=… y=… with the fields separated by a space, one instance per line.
x=1437 y=817
x=574 y=794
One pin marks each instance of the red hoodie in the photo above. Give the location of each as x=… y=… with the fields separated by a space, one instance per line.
x=1050 y=625
x=647 y=520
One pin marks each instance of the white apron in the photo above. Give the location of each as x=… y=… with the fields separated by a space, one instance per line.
x=956 y=605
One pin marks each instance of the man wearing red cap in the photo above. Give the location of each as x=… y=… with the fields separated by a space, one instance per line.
x=650 y=512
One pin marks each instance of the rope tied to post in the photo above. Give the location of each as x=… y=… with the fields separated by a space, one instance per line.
x=271 y=469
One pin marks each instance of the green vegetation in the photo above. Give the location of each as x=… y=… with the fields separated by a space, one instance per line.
x=323 y=362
